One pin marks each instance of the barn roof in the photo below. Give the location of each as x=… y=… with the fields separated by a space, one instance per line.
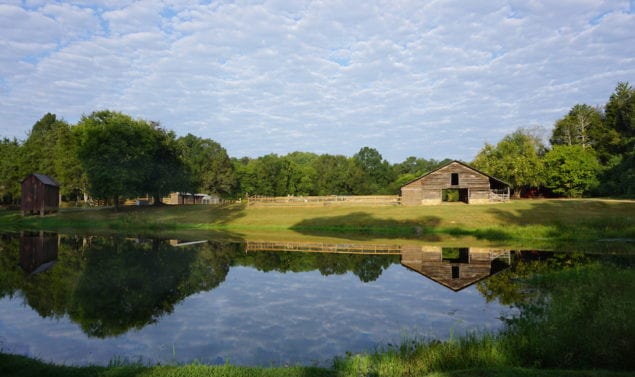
x=44 y=179
x=458 y=162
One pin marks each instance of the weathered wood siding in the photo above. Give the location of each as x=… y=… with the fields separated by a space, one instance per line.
x=39 y=197
x=428 y=261
x=428 y=189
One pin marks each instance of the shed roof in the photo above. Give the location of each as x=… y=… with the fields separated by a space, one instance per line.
x=458 y=162
x=44 y=179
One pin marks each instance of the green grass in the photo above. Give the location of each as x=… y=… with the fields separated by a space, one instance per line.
x=543 y=224
x=19 y=366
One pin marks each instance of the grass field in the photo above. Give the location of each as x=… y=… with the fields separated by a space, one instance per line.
x=523 y=223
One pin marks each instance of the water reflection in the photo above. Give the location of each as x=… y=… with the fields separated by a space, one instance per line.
x=251 y=303
x=38 y=251
x=454 y=268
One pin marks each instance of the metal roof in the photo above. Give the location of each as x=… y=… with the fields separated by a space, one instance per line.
x=45 y=179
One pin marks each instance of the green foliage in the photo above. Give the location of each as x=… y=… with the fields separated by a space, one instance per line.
x=377 y=172
x=581 y=319
x=571 y=170
x=124 y=157
x=11 y=173
x=582 y=126
x=516 y=159
x=210 y=169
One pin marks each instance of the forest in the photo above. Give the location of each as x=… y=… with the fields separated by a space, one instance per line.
x=111 y=156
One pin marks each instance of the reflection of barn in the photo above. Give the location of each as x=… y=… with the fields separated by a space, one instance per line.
x=187 y=198
x=454 y=179
x=455 y=268
x=38 y=251
x=40 y=194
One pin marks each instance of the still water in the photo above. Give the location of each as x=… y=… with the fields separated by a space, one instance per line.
x=91 y=300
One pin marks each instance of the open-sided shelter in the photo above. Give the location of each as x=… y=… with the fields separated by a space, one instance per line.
x=40 y=194
x=471 y=185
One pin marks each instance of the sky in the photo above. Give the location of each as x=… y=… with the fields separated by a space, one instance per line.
x=431 y=79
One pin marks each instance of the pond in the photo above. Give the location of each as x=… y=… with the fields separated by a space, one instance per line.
x=82 y=300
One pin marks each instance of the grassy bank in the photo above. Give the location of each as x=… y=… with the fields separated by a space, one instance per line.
x=525 y=223
x=18 y=366
x=576 y=323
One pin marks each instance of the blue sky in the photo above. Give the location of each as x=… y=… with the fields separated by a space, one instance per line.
x=431 y=79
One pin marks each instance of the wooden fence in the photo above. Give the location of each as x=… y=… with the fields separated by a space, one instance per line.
x=319 y=247
x=322 y=201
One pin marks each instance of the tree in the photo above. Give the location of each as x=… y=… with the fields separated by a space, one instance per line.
x=338 y=174
x=117 y=152
x=10 y=172
x=582 y=126
x=515 y=159
x=377 y=172
x=210 y=168
x=619 y=115
x=167 y=171
x=571 y=170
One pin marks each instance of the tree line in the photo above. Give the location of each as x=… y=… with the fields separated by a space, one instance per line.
x=108 y=155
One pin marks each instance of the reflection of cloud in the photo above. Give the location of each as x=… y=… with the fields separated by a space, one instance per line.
x=263 y=318
x=325 y=70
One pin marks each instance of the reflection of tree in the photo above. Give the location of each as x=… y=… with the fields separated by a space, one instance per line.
x=127 y=284
x=109 y=285
x=366 y=267
x=507 y=287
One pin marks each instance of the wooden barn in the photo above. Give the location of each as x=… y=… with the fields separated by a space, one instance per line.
x=40 y=194
x=455 y=268
x=454 y=181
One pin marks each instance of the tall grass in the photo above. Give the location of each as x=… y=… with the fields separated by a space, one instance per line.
x=413 y=357
x=585 y=320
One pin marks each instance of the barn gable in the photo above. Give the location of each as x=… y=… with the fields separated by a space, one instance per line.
x=473 y=186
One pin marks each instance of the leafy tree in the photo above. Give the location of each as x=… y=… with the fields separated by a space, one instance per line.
x=10 y=172
x=40 y=145
x=117 y=153
x=167 y=171
x=377 y=172
x=582 y=126
x=571 y=170
x=68 y=168
x=211 y=170
x=515 y=159
x=338 y=175
x=619 y=115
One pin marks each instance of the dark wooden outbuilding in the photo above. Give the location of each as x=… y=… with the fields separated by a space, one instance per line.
x=469 y=184
x=40 y=194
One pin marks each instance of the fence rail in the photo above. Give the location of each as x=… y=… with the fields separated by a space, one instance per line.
x=331 y=200
x=319 y=247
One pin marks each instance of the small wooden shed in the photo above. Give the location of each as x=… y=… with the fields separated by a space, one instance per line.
x=471 y=185
x=40 y=194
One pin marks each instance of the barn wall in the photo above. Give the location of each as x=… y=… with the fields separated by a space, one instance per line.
x=428 y=189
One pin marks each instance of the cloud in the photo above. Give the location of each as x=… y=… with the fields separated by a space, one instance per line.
x=274 y=76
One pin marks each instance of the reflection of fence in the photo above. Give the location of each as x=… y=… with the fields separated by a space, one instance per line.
x=318 y=247
x=317 y=201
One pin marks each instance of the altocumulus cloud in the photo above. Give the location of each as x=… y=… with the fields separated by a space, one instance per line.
x=432 y=79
